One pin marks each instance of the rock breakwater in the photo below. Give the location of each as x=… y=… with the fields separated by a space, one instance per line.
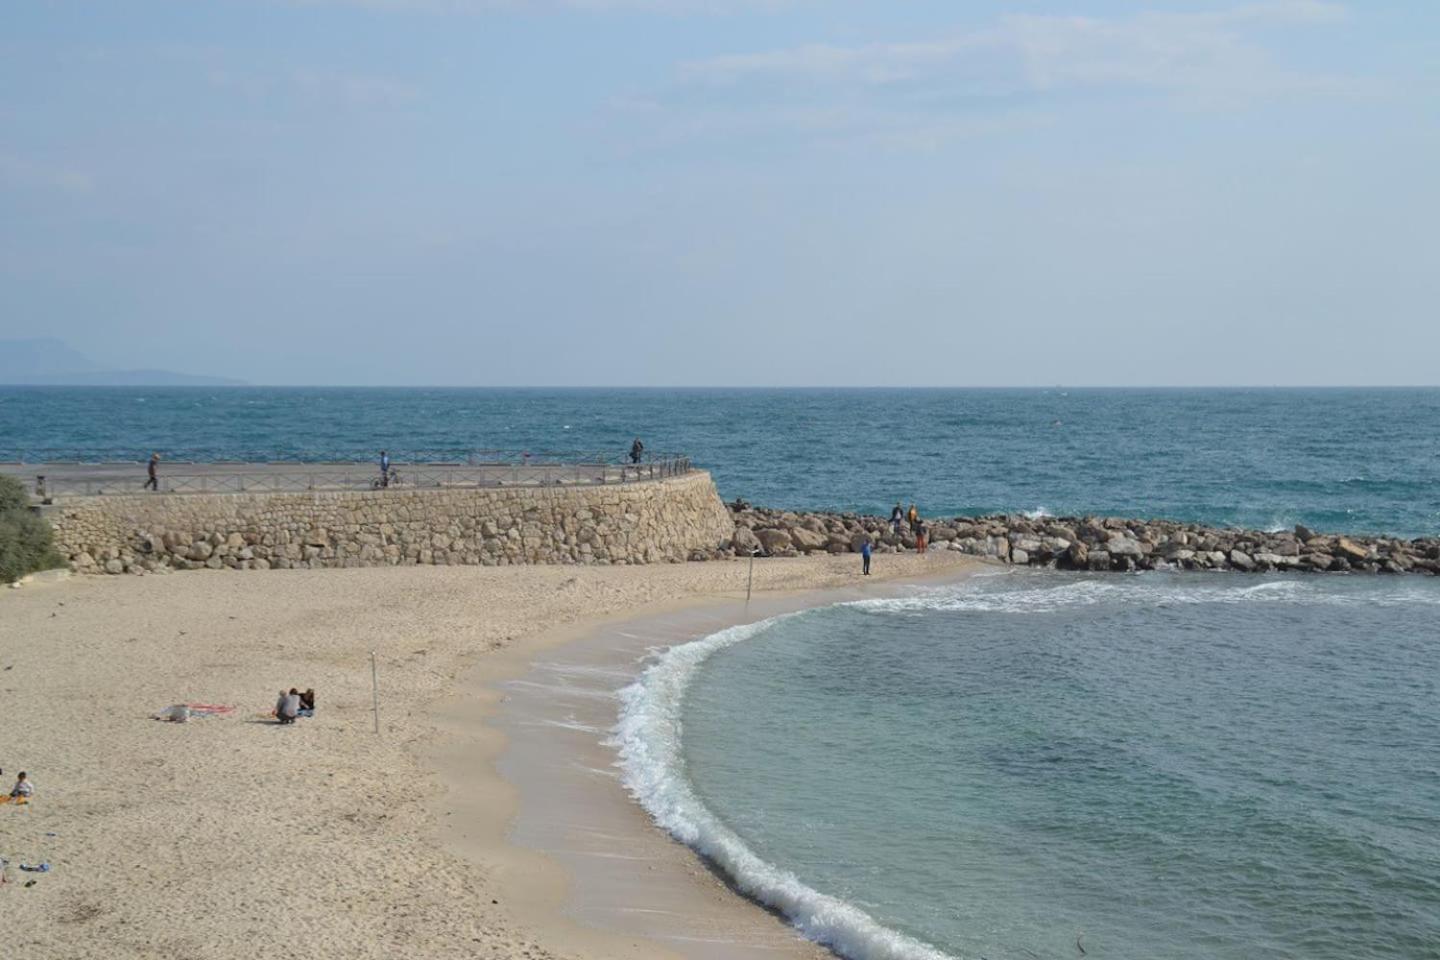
x=1088 y=543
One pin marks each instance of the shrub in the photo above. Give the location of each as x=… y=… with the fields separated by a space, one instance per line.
x=27 y=543
x=12 y=494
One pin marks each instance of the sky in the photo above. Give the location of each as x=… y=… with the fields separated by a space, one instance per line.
x=727 y=192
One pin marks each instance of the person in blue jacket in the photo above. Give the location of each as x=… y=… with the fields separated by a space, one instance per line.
x=865 y=557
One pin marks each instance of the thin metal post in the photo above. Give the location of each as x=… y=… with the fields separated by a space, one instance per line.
x=750 y=582
x=375 y=691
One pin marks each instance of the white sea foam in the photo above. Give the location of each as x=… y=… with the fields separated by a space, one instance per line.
x=1039 y=513
x=1029 y=595
x=653 y=769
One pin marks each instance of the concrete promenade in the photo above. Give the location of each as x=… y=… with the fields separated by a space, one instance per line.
x=102 y=479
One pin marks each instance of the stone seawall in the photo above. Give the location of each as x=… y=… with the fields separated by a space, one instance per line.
x=652 y=521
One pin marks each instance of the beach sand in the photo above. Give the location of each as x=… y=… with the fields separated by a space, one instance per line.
x=230 y=836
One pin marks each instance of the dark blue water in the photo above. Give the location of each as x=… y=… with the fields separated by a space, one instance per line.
x=1359 y=460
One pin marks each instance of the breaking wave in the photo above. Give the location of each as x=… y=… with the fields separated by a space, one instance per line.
x=653 y=770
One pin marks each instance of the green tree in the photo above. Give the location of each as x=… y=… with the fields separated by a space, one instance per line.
x=27 y=543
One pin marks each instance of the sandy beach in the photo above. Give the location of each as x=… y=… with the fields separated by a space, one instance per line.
x=230 y=835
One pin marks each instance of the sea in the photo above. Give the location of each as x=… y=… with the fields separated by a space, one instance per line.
x=1357 y=460
x=1047 y=765
x=1025 y=765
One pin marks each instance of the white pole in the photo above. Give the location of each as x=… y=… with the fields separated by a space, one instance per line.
x=750 y=582
x=375 y=691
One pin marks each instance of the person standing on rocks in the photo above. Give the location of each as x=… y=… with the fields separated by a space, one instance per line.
x=153 y=481
x=896 y=516
x=865 y=557
x=914 y=517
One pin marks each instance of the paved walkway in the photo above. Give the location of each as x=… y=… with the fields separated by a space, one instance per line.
x=96 y=479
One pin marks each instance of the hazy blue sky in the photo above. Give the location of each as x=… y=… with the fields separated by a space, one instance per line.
x=727 y=191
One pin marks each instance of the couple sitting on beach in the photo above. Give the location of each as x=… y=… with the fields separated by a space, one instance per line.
x=22 y=790
x=294 y=704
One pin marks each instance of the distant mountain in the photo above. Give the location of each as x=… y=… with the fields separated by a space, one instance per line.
x=50 y=362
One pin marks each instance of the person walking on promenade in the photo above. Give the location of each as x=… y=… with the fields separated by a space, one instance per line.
x=865 y=557
x=384 y=469
x=636 y=450
x=896 y=516
x=153 y=481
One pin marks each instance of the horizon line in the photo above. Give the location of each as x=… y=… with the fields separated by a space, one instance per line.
x=714 y=386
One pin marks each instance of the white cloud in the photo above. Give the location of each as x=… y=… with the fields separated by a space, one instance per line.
x=1195 y=52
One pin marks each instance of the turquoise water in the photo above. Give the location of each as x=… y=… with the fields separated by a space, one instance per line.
x=1345 y=459
x=1184 y=766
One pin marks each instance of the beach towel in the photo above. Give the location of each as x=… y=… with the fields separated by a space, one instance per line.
x=209 y=709
x=183 y=712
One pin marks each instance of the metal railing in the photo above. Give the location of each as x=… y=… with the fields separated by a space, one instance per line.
x=54 y=479
x=455 y=456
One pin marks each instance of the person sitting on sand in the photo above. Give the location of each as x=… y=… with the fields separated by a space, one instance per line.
x=307 y=703
x=23 y=788
x=287 y=708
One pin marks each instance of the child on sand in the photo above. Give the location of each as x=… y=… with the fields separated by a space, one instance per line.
x=23 y=788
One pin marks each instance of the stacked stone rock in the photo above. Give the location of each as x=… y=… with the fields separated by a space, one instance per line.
x=1090 y=543
x=668 y=520
x=671 y=520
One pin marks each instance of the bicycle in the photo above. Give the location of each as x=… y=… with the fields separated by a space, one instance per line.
x=391 y=478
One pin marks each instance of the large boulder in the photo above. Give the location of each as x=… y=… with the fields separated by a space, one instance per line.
x=1350 y=550
x=1060 y=531
x=814 y=524
x=744 y=542
x=1241 y=560
x=807 y=540
x=1122 y=546
x=774 y=541
x=1024 y=543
